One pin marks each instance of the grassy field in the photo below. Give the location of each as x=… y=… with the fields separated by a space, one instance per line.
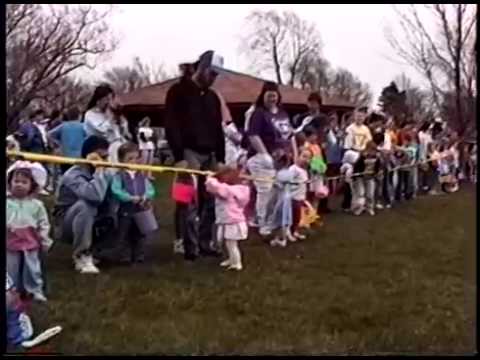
x=400 y=282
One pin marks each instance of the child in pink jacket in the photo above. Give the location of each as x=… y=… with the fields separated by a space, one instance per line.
x=231 y=199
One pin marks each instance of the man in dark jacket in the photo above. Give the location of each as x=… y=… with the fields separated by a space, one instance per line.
x=194 y=132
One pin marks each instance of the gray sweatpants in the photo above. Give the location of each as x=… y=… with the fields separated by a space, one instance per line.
x=78 y=226
x=363 y=194
x=24 y=267
x=264 y=189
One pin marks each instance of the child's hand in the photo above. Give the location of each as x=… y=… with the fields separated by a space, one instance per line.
x=94 y=157
x=136 y=199
x=46 y=248
x=146 y=204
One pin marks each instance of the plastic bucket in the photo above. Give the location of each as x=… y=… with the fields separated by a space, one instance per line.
x=146 y=221
x=183 y=193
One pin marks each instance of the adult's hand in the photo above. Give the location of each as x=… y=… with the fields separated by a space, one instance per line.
x=220 y=166
x=266 y=159
x=181 y=164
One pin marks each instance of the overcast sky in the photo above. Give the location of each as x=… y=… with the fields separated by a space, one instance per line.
x=353 y=36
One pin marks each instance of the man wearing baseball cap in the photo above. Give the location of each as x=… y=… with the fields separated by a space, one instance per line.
x=194 y=131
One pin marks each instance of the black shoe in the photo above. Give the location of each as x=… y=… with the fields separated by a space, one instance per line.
x=190 y=257
x=210 y=252
x=140 y=260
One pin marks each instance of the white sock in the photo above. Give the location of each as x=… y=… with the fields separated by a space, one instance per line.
x=234 y=255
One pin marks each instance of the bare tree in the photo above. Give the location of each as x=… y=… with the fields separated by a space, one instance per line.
x=346 y=86
x=418 y=102
x=128 y=78
x=64 y=93
x=281 y=42
x=443 y=55
x=46 y=43
x=340 y=83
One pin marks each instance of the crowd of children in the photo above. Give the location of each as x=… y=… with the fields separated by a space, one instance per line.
x=382 y=164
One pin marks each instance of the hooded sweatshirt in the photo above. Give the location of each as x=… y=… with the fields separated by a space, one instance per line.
x=79 y=183
x=194 y=120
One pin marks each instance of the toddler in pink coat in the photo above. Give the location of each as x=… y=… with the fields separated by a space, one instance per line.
x=231 y=199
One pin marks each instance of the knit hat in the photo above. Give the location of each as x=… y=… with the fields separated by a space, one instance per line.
x=92 y=144
x=39 y=174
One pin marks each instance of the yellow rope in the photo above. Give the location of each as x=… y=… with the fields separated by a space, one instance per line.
x=159 y=169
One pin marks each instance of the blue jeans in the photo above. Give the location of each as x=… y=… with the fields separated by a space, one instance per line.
x=405 y=188
x=25 y=270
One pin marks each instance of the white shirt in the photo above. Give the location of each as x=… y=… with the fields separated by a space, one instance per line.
x=248 y=115
x=387 y=142
x=99 y=124
x=424 y=139
x=43 y=131
x=148 y=134
x=300 y=178
x=232 y=144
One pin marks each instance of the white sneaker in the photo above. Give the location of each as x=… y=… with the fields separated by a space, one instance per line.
x=379 y=206
x=178 y=247
x=278 y=242
x=39 y=297
x=237 y=267
x=252 y=224
x=299 y=236
x=291 y=237
x=357 y=212
x=79 y=262
x=388 y=206
x=371 y=212
x=225 y=263
x=88 y=266
x=265 y=231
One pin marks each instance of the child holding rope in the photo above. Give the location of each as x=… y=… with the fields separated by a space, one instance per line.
x=299 y=188
x=231 y=199
x=279 y=209
x=317 y=167
x=28 y=228
x=135 y=216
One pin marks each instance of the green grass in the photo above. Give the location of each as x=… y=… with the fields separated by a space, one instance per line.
x=400 y=282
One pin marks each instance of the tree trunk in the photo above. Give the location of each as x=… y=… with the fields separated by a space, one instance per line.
x=458 y=91
x=276 y=63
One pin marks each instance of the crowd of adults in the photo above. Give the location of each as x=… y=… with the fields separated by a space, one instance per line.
x=202 y=135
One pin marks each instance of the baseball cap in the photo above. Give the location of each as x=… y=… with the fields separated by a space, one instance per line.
x=210 y=59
